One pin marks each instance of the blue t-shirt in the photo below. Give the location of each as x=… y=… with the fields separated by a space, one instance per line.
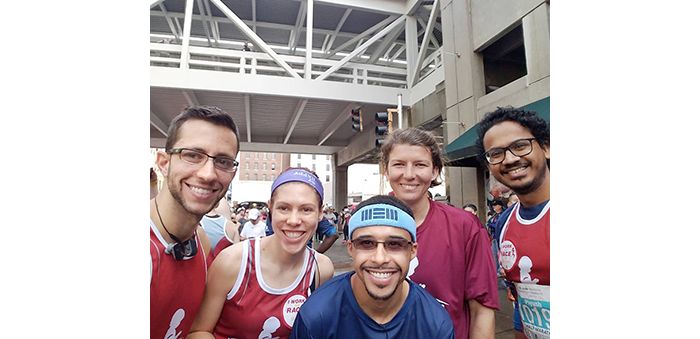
x=214 y=227
x=325 y=228
x=333 y=312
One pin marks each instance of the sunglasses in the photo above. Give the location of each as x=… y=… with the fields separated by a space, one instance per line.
x=391 y=245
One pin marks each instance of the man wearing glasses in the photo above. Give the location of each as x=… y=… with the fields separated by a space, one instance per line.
x=198 y=165
x=375 y=300
x=515 y=146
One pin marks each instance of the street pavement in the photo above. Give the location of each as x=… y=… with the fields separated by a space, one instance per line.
x=504 y=317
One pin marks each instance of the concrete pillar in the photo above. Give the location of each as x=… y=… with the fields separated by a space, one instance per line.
x=340 y=184
x=464 y=82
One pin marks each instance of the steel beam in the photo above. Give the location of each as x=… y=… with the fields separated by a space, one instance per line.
x=185 y=53
x=270 y=147
x=293 y=123
x=190 y=97
x=337 y=29
x=337 y=122
x=248 y=122
x=424 y=46
x=159 y=124
x=362 y=48
x=360 y=36
x=309 y=37
x=254 y=37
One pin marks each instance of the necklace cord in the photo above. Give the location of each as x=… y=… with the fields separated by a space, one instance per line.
x=162 y=223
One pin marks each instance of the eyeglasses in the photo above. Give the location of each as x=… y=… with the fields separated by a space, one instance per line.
x=391 y=245
x=195 y=157
x=518 y=148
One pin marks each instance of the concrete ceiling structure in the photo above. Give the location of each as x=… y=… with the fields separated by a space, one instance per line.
x=288 y=88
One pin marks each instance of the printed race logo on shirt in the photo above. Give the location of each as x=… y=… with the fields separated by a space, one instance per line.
x=291 y=308
x=174 y=323
x=507 y=255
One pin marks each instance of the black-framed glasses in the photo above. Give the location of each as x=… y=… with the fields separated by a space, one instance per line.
x=391 y=245
x=519 y=148
x=195 y=157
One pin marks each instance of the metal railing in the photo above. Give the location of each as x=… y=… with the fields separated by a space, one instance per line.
x=164 y=54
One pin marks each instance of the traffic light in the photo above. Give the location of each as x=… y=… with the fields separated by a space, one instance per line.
x=382 y=128
x=356 y=119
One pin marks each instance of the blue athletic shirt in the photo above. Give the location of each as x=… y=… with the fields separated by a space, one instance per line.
x=333 y=312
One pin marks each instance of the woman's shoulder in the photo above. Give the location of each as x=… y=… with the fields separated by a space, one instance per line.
x=453 y=216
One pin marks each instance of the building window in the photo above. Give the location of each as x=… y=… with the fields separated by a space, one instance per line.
x=274 y=155
x=313 y=157
x=328 y=178
x=504 y=60
x=255 y=176
x=313 y=167
x=272 y=177
x=264 y=166
x=255 y=166
x=328 y=157
x=247 y=176
x=264 y=177
x=328 y=167
x=299 y=156
x=265 y=156
x=298 y=164
x=247 y=165
x=247 y=155
x=272 y=166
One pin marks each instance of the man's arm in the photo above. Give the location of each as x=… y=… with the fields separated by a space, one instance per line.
x=483 y=321
x=327 y=242
x=232 y=231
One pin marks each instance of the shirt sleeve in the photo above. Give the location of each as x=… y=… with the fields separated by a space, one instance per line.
x=245 y=230
x=299 y=330
x=326 y=228
x=447 y=330
x=480 y=282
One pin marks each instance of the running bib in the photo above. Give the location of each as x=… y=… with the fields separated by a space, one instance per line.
x=534 y=309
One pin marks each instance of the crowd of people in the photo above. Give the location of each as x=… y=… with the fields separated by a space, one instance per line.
x=421 y=268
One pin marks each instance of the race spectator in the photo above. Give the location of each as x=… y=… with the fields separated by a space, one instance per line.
x=255 y=227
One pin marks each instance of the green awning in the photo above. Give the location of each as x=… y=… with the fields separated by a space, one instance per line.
x=462 y=152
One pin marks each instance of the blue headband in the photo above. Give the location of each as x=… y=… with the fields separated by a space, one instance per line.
x=382 y=215
x=299 y=175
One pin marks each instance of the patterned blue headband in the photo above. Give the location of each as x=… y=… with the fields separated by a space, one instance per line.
x=382 y=215
x=299 y=175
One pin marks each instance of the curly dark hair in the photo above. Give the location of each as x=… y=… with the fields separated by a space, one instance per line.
x=528 y=119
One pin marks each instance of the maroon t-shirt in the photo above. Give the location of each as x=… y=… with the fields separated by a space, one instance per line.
x=454 y=263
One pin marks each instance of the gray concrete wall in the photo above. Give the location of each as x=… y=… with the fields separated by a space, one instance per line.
x=490 y=19
x=464 y=81
x=428 y=108
x=465 y=99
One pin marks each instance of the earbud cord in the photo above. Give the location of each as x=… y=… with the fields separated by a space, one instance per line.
x=162 y=223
